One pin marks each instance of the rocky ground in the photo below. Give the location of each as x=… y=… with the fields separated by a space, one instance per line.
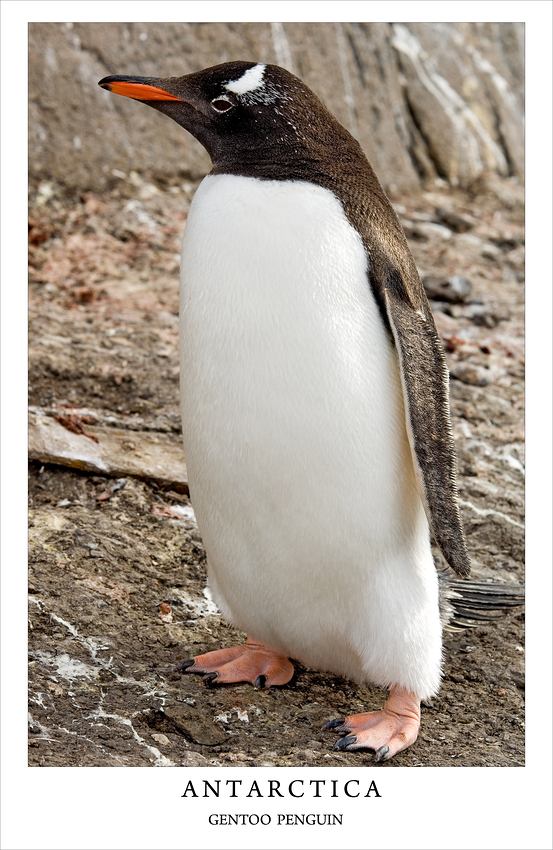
x=117 y=566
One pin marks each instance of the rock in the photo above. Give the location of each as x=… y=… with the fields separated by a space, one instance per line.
x=460 y=222
x=455 y=289
x=195 y=725
x=430 y=230
x=161 y=739
x=466 y=464
x=109 y=451
x=509 y=194
x=307 y=755
x=470 y=373
x=480 y=314
x=517 y=676
x=451 y=80
x=491 y=251
x=193 y=759
x=469 y=244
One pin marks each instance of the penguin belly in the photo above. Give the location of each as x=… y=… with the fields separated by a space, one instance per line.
x=299 y=463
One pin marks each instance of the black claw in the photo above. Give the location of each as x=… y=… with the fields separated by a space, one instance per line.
x=260 y=681
x=344 y=743
x=184 y=665
x=335 y=724
x=209 y=678
x=381 y=753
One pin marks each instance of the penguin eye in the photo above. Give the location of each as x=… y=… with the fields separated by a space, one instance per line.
x=222 y=104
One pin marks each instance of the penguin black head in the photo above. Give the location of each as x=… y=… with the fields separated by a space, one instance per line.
x=252 y=118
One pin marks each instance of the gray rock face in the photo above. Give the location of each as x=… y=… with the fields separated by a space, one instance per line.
x=462 y=89
x=425 y=100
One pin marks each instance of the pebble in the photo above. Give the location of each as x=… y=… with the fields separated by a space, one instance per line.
x=161 y=739
x=455 y=289
x=430 y=230
x=460 y=222
x=466 y=241
x=490 y=251
x=480 y=314
x=193 y=759
x=470 y=373
x=194 y=725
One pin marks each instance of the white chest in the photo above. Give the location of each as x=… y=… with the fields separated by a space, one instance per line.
x=276 y=306
x=293 y=416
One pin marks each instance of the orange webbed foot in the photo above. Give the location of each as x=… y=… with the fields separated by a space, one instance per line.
x=251 y=662
x=388 y=731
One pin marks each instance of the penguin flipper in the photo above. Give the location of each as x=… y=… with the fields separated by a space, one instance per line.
x=425 y=382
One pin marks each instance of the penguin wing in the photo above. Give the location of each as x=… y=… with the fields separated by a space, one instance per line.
x=425 y=381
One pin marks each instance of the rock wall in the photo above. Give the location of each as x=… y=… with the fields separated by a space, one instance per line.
x=425 y=100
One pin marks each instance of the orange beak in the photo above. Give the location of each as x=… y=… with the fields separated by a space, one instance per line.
x=138 y=91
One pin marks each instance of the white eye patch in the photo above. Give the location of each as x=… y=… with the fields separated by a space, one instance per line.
x=250 y=80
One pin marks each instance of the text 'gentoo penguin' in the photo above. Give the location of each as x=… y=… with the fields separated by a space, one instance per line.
x=314 y=400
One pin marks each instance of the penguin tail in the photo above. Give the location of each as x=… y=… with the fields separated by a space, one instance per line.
x=466 y=604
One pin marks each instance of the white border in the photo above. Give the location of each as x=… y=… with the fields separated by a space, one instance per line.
x=435 y=807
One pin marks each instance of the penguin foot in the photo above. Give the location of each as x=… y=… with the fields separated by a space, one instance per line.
x=251 y=662
x=388 y=731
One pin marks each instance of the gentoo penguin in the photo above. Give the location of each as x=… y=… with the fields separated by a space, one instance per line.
x=314 y=401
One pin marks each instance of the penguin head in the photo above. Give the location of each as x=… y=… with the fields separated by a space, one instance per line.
x=250 y=117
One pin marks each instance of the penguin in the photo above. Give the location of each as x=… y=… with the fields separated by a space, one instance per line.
x=315 y=401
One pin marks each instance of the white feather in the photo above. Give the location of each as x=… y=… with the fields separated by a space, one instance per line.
x=299 y=464
x=250 y=80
